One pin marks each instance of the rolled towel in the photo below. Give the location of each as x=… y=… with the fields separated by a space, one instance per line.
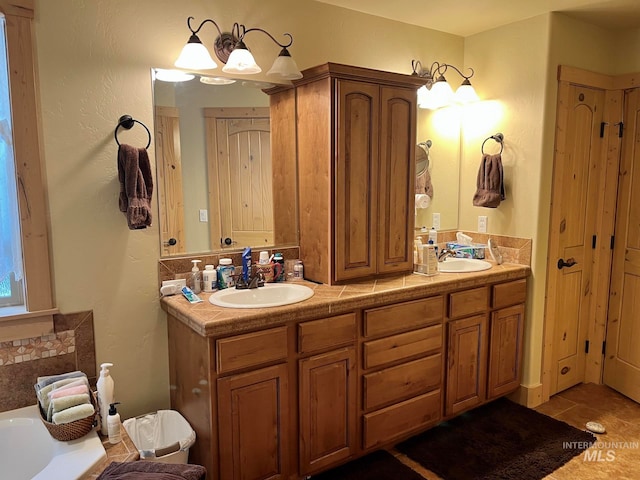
x=68 y=390
x=152 y=470
x=44 y=381
x=43 y=393
x=422 y=200
x=63 y=403
x=72 y=414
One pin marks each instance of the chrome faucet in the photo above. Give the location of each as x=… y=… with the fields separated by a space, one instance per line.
x=446 y=252
x=255 y=281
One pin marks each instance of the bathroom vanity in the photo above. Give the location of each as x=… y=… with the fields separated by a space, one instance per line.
x=286 y=392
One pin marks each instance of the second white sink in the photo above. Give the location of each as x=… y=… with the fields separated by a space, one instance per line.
x=462 y=265
x=271 y=295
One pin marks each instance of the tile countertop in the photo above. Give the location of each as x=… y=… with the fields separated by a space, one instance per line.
x=210 y=320
x=124 y=451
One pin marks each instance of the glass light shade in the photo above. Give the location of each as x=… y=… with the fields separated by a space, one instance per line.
x=424 y=97
x=285 y=67
x=465 y=93
x=217 y=80
x=441 y=93
x=241 y=61
x=195 y=56
x=172 y=75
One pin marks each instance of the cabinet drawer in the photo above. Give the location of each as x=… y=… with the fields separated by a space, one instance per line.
x=401 y=418
x=403 y=381
x=506 y=294
x=326 y=333
x=402 y=316
x=251 y=349
x=401 y=346
x=468 y=302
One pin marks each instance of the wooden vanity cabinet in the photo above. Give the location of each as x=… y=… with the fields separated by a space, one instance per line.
x=356 y=136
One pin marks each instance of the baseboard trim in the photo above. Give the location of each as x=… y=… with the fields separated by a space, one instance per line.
x=527 y=395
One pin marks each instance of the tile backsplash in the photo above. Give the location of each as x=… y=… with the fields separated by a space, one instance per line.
x=71 y=347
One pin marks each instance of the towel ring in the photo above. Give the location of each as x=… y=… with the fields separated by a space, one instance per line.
x=127 y=122
x=498 y=137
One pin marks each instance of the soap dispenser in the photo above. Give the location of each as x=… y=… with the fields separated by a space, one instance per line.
x=105 y=388
x=195 y=279
x=113 y=424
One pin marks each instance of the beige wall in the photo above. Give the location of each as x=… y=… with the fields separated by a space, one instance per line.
x=93 y=60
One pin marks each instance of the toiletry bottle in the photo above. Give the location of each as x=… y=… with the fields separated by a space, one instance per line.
x=209 y=279
x=246 y=264
x=113 y=424
x=225 y=273
x=264 y=258
x=430 y=259
x=433 y=235
x=195 y=279
x=105 y=395
x=298 y=270
x=278 y=272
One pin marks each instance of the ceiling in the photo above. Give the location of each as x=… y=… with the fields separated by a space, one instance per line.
x=468 y=17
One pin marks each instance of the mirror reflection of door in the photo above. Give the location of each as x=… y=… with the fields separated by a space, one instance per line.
x=169 y=173
x=239 y=174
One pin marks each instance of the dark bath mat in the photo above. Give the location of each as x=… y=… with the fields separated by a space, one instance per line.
x=498 y=441
x=380 y=465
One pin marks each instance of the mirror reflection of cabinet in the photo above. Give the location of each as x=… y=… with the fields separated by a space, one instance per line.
x=356 y=166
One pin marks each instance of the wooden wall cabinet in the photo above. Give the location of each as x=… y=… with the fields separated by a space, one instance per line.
x=356 y=134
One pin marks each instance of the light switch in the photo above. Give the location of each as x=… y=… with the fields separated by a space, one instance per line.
x=204 y=215
x=435 y=222
x=482 y=224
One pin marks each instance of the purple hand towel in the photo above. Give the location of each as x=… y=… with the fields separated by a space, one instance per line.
x=136 y=185
x=490 y=183
x=144 y=470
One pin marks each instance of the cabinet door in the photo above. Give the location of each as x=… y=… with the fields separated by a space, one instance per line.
x=505 y=350
x=327 y=404
x=253 y=425
x=356 y=173
x=466 y=363
x=396 y=183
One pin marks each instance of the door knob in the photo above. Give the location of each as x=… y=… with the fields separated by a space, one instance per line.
x=228 y=241
x=170 y=243
x=569 y=263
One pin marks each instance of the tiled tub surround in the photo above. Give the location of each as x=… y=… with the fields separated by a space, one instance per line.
x=71 y=347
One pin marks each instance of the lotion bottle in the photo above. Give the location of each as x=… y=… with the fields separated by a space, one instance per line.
x=210 y=279
x=113 y=424
x=105 y=395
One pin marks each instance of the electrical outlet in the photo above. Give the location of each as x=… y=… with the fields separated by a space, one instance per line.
x=482 y=224
x=435 y=223
x=204 y=215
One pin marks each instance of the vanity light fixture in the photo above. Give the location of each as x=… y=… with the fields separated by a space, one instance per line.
x=233 y=52
x=437 y=92
x=172 y=75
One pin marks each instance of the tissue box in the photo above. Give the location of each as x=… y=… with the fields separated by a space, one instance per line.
x=466 y=251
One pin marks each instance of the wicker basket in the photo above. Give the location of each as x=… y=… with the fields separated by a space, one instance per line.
x=73 y=430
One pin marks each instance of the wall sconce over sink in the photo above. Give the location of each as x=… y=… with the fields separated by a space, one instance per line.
x=233 y=52
x=436 y=92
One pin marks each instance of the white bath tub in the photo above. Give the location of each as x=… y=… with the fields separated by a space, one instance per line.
x=27 y=451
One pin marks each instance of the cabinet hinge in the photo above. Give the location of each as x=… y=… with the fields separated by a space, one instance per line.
x=604 y=347
x=593 y=242
x=612 y=242
x=602 y=125
x=620 y=129
x=586 y=346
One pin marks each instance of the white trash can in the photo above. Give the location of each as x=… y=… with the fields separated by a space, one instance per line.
x=164 y=436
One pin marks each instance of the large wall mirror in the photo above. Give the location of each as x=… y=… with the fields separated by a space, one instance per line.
x=442 y=129
x=215 y=167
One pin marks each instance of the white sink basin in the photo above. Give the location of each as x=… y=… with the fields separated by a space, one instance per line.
x=462 y=265
x=271 y=295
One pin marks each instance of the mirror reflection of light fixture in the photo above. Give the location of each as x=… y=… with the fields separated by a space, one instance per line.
x=217 y=80
x=172 y=75
x=233 y=52
x=437 y=92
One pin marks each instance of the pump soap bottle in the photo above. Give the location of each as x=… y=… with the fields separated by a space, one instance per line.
x=113 y=424
x=195 y=279
x=105 y=395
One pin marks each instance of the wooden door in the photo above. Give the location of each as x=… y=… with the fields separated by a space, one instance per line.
x=622 y=357
x=396 y=214
x=505 y=350
x=466 y=363
x=578 y=168
x=327 y=404
x=356 y=188
x=169 y=166
x=253 y=425
x=240 y=174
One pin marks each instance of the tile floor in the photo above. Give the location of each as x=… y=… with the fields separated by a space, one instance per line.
x=616 y=455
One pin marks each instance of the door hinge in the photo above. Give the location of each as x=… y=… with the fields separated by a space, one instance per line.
x=586 y=346
x=593 y=242
x=604 y=348
x=602 y=125
x=612 y=242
